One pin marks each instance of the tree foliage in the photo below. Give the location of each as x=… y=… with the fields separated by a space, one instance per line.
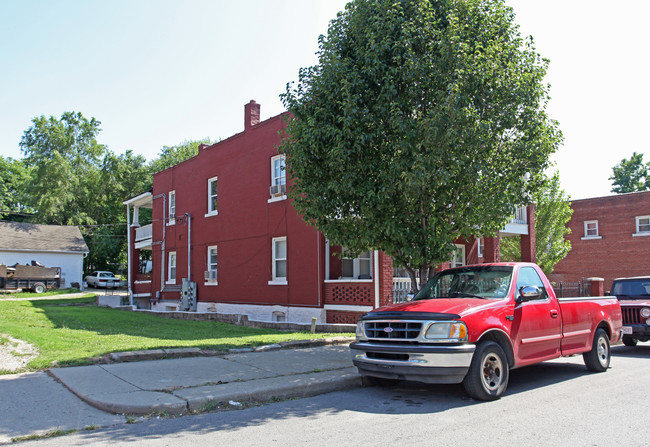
x=65 y=158
x=423 y=121
x=172 y=155
x=13 y=180
x=75 y=180
x=552 y=214
x=631 y=175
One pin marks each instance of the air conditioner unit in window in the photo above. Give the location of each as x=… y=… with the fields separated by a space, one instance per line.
x=210 y=275
x=278 y=190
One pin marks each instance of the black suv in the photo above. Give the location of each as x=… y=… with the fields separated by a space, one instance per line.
x=634 y=296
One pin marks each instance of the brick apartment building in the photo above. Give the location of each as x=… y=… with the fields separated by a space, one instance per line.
x=610 y=238
x=223 y=220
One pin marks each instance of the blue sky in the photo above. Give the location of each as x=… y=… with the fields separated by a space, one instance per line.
x=156 y=73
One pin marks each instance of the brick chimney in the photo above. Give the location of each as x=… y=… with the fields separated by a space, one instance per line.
x=251 y=114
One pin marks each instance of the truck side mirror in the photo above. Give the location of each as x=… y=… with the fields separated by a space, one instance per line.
x=528 y=293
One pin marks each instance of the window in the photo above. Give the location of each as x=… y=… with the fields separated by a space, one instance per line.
x=357 y=268
x=642 y=226
x=279 y=255
x=528 y=277
x=172 y=207
x=212 y=197
x=591 y=230
x=278 y=178
x=481 y=246
x=211 y=273
x=459 y=257
x=171 y=279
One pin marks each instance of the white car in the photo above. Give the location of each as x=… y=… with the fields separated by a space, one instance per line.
x=102 y=279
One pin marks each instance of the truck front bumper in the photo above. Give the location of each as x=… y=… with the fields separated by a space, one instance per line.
x=640 y=331
x=420 y=363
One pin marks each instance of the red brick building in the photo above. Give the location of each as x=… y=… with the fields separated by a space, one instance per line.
x=610 y=238
x=223 y=220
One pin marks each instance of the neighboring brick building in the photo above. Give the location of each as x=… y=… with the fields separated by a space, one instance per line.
x=610 y=238
x=249 y=251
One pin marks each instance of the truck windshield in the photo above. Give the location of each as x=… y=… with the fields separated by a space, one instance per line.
x=632 y=288
x=485 y=282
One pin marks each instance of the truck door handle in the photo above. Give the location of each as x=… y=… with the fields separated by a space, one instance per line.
x=554 y=313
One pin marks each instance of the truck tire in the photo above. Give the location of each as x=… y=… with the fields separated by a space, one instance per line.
x=598 y=358
x=39 y=287
x=487 y=378
x=629 y=341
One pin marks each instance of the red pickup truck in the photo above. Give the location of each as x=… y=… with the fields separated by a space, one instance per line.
x=473 y=324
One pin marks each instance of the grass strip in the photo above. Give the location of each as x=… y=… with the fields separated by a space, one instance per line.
x=74 y=331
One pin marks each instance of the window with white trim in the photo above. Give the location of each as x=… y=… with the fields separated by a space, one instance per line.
x=459 y=256
x=171 y=277
x=279 y=260
x=357 y=268
x=642 y=226
x=591 y=230
x=481 y=246
x=278 y=177
x=172 y=207
x=211 y=272
x=212 y=197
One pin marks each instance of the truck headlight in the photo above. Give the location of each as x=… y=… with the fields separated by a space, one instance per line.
x=451 y=331
x=645 y=312
x=360 y=333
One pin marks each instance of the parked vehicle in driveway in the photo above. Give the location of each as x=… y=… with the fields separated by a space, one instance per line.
x=634 y=296
x=102 y=279
x=36 y=278
x=474 y=324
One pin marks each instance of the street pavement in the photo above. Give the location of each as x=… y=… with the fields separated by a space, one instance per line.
x=73 y=398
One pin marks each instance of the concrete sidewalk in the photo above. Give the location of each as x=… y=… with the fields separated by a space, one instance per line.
x=182 y=385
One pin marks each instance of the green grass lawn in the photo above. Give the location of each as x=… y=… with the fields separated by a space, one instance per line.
x=53 y=292
x=73 y=331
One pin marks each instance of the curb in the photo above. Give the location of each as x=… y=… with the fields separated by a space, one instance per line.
x=160 y=354
x=265 y=390
x=198 y=399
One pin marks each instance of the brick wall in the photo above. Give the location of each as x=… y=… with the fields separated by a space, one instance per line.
x=340 y=317
x=354 y=294
x=616 y=253
x=385 y=279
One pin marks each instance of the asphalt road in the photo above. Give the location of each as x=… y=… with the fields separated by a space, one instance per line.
x=557 y=403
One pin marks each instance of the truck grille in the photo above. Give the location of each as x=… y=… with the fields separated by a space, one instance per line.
x=393 y=330
x=631 y=315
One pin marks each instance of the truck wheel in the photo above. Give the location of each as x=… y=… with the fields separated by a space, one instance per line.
x=600 y=355
x=367 y=381
x=629 y=341
x=487 y=378
x=39 y=287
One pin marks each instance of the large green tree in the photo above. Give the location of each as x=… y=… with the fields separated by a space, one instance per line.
x=631 y=175
x=423 y=121
x=13 y=181
x=172 y=155
x=66 y=159
x=552 y=213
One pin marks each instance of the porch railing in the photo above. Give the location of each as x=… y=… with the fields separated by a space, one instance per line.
x=520 y=216
x=401 y=289
x=143 y=233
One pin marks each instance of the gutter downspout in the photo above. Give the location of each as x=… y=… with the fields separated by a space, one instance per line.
x=189 y=246
x=162 y=246
x=129 y=253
